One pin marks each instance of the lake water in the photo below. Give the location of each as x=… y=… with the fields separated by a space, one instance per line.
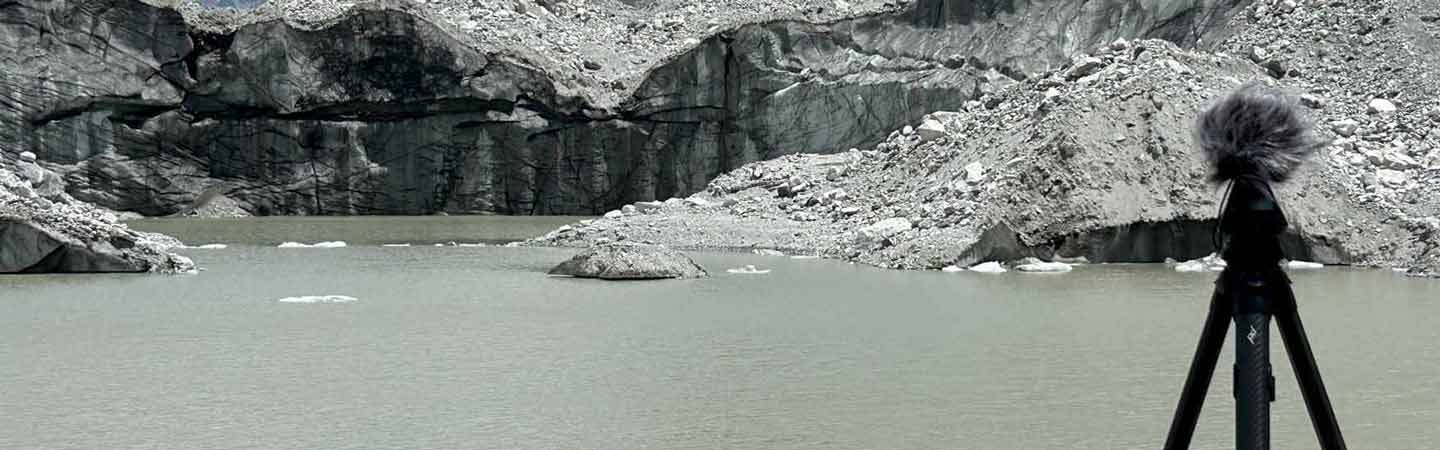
x=475 y=347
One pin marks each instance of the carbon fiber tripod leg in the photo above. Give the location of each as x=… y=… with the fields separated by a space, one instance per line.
x=1254 y=385
x=1202 y=368
x=1317 y=402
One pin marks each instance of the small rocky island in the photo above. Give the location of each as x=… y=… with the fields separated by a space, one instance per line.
x=630 y=261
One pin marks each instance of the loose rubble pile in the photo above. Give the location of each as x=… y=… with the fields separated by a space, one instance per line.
x=44 y=230
x=1368 y=69
x=595 y=43
x=1064 y=165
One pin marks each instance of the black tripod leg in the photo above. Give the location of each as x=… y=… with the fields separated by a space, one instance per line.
x=1202 y=367
x=1254 y=384
x=1327 y=429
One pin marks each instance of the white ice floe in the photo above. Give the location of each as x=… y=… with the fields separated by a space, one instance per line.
x=319 y=299
x=394 y=245
x=1044 y=267
x=988 y=267
x=767 y=252
x=1211 y=263
x=952 y=269
x=207 y=247
x=749 y=269
x=456 y=244
x=804 y=257
x=326 y=244
x=1303 y=265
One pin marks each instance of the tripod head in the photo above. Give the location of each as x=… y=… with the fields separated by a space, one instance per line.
x=1252 y=138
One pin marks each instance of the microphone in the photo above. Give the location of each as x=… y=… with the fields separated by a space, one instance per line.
x=1251 y=138
x=1255 y=133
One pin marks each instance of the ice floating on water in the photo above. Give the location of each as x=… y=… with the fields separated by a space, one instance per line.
x=988 y=267
x=748 y=269
x=319 y=299
x=326 y=244
x=394 y=245
x=767 y=252
x=1211 y=263
x=455 y=244
x=1303 y=265
x=208 y=246
x=1044 y=267
x=952 y=269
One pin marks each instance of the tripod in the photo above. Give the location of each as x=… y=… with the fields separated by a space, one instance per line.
x=1251 y=138
x=1251 y=300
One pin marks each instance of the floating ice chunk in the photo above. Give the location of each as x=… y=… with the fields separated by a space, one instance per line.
x=1303 y=265
x=749 y=269
x=319 y=299
x=326 y=244
x=1044 y=267
x=804 y=257
x=988 y=267
x=477 y=244
x=1211 y=263
x=207 y=247
x=394 y=245
x=952 y=269
x=767 y=252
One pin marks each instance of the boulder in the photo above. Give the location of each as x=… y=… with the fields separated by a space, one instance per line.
x=629 y=261
x=1084 y=67
x=1345 y=128
x=1381 y=106
x=1391 y=177
x=974 y=172
x=930 y=130
x=884 y=229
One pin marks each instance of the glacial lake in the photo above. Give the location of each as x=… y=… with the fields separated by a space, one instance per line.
x=471 y=347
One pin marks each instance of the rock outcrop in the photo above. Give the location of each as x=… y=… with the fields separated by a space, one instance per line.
x=389 y=107
x=629 y=261
x=43 y=230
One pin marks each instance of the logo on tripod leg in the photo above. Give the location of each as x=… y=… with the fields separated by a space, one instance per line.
x=1252 y=335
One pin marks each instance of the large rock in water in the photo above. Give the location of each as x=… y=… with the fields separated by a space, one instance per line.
x=381 y=111
x=625 y=261
x=60 y=235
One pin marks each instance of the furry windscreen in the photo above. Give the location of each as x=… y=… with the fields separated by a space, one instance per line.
x=1255 y=132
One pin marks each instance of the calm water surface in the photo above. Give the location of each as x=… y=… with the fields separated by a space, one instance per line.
x=475 y=347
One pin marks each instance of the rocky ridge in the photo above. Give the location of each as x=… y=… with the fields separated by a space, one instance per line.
x=1094 y=159
x=393 y=107
x=607 y=45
